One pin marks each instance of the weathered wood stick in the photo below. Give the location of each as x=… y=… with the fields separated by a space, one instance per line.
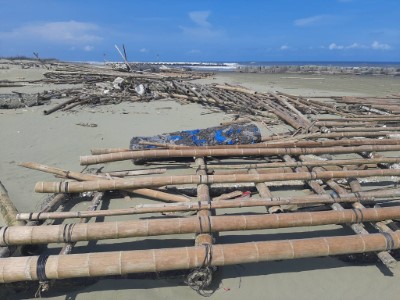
x=368 y=197
x=59 y=106
x=156 y=260
x=67 y=233
x=167 y=153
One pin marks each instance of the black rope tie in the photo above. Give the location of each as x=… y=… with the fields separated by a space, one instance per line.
x=41 y=267
x=202 y=229
x=201 y=225
x=67 y=233
x=208 y=255
x=201 y=278
x=359 y=215
x=3 y=235
x=389 y=240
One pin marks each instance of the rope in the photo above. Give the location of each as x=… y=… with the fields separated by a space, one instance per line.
x=389 y=241
x=67 y=233
x=3 y=241
x=201 y=278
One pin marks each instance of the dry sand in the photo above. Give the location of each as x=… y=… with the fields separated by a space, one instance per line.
x=56 y=140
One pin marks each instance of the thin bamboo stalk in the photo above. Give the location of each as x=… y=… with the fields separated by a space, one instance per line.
x=134 y=172
x=342 y=142
x=26 y=235
x=371 y=196
x=88 y=177
x=166 y=153
x=123 y=184
x=327 y=135
x=369 y=129
x=333 y=162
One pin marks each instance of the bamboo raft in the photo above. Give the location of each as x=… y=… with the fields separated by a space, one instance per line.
x=340 y=163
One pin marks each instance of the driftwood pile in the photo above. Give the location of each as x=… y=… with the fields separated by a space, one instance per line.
x=343 y=151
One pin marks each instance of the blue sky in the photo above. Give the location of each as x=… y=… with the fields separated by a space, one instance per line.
x=203 y=30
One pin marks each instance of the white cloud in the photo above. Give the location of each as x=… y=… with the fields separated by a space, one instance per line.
x=333 y=46
x=378 y=46
x=200 y=18
x=203 y=28
x=88 y=48
x=310 y=20
x=68 y=33
x=375 y=46
x=194 y=51
x=284 y=47
x=355 y=46
x=144 y=50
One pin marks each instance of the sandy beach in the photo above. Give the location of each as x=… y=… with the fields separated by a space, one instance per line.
x=59 y=139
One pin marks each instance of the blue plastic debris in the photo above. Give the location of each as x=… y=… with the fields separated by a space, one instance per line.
x=220 y=135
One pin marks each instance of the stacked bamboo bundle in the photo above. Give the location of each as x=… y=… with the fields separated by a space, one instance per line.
x=329 y=156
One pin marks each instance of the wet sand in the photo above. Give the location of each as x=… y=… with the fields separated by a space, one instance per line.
x=56 y=140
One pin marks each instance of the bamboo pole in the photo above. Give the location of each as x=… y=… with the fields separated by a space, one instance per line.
x=359 y=129
x=156 y=260
x=359 y=229
x=327 y=135
x=88 y=177
x=123 y=184
x=265 y=192
x=67 y=233
x=368 y=197
x=167 y=153
x=387 y=259
x=313 y=163
x=9 y=213
x=68 y=246
x=203 y=195
x=304 y=119
x=8 y=210
x=278 y=144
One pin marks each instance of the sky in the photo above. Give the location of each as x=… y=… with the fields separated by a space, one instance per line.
x=203 y=30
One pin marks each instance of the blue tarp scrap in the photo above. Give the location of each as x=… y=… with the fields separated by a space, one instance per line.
x=220 y=135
